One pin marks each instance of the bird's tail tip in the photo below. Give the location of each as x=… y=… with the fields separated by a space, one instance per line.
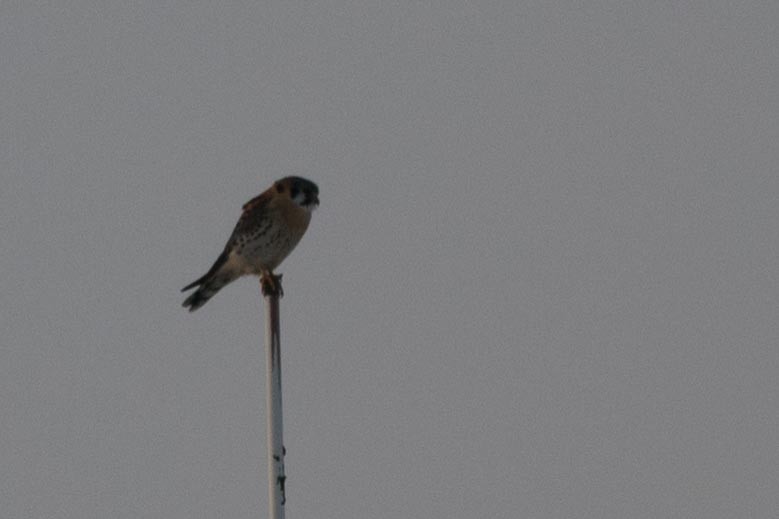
x=200 y=296
x=194 y=302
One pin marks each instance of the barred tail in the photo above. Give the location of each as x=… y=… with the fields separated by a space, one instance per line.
x=208 y=285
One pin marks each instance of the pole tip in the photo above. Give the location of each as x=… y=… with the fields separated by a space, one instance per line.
x=271 y=285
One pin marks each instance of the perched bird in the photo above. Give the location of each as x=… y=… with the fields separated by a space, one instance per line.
x=269 y=228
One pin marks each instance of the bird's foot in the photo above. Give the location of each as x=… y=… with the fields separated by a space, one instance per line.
x=271 y=284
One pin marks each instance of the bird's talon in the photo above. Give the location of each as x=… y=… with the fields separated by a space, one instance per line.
x=271 y=284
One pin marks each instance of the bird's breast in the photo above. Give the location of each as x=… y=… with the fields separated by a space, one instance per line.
x=280 y=234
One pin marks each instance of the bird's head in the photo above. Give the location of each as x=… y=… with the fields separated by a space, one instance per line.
x=301 y=191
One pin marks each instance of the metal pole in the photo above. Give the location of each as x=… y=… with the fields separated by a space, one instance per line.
x=271 y=291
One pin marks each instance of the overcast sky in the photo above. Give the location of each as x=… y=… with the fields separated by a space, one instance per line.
x=542 y=281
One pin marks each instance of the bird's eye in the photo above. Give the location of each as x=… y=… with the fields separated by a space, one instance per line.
x=294 y=192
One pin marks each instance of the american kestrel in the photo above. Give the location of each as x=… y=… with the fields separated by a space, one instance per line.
x=269 y=228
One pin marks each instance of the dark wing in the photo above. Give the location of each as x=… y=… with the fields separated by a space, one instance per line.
x=251 y=219
x=221 y=260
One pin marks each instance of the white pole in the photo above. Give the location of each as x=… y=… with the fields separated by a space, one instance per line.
x=271 y=291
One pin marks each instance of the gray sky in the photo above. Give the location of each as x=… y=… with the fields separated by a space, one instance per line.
x=542 y=281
